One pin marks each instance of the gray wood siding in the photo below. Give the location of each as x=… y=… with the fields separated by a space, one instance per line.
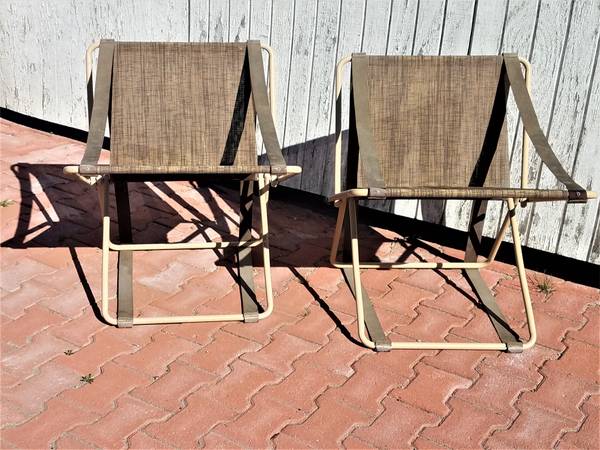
x=42 y=44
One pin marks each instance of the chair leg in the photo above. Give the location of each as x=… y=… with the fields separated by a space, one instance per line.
x=263 y=198
x=103 y=188
x=522 y=276
x=362 y=309
x=358 y=290
x=244 y=245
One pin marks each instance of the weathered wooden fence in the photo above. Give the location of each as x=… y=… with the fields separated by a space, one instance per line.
x=43 y=41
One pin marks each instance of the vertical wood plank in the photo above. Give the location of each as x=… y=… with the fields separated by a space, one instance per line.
x=199 y=15
x=305 y=14
x=376 y=27
x=260 y=20
x=239 y=16
x=572 y=94
x=594 y=252
x=428 y=32
x=402 y=26
x=317 y=141
x=281 y=41
x=457 y=27
x=218 y=21
x=488 y=27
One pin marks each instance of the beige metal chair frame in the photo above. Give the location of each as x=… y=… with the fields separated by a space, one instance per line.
x=264 y=181
x=346 y=202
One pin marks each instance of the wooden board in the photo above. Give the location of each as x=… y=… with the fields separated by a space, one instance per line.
x=41 y=65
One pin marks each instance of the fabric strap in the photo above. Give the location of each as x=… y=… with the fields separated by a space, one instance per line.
x=245 y=270
x=360 y=98
x=125 y=262
x=532 y=126
x=101 y=107
x=263 y=110
x=505 y=333
x=376 y=333
x=374 y=328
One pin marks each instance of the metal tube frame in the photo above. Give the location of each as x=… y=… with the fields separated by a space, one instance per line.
x=108 y=245
x=264 y=180
x=347 y=205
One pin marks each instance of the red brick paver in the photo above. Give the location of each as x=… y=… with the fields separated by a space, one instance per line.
x=296 y=380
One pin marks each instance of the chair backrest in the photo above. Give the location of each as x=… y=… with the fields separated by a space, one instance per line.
x=438 y=121
x=181 y=105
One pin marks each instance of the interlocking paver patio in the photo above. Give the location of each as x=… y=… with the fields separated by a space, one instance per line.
x=295 y=380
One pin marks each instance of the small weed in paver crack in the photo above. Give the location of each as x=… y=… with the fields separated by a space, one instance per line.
x=5 y=203
x=68 y=352
x=544 y=286
x=89 y=379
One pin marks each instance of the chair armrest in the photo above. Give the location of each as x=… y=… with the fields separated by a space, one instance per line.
x=356 y=192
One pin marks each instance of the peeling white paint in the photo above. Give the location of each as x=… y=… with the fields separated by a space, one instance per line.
x=42 y=45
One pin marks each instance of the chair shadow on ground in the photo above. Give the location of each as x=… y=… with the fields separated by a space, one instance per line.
x=58 y=212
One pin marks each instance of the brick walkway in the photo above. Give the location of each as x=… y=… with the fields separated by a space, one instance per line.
x=295 y=380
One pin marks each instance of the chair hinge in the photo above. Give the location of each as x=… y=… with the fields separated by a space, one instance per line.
x=577 y=197
x=278 y=170
x=377 y=193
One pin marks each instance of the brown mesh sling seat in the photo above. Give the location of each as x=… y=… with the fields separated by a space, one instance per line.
x=434 y=127
x=182 y=111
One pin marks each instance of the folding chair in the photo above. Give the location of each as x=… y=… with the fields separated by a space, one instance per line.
x=434 y=128
x=181 y=111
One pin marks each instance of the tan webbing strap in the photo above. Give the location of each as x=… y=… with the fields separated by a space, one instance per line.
x=125 y=262
x=577 y=194
x=125 y=289
x=366 y=143
x=494 y=312
x=263 y=110
x=249 y=306
x=100 y=108
x=376 y=333
x=374 y=328
x=505 y=333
